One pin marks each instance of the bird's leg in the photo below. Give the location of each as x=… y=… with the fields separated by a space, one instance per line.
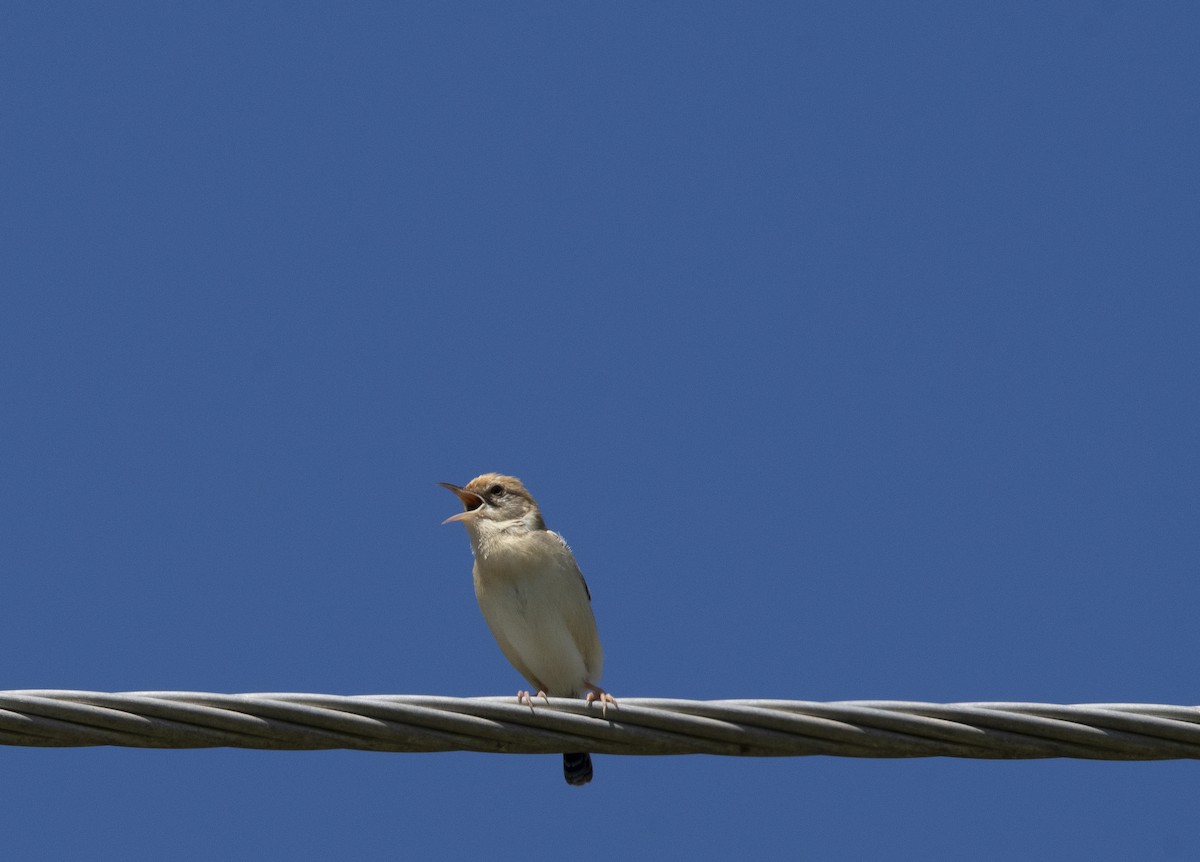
x=595 y=693
x=526 y=697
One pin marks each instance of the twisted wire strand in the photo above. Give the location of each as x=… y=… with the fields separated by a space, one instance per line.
x=639 y=726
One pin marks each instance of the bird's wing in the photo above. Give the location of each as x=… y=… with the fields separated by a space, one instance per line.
x=580 y=621
x=557 y=539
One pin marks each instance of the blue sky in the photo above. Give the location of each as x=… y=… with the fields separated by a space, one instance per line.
x=853 y=347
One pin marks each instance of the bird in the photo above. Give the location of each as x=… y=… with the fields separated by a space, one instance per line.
x=533 y=597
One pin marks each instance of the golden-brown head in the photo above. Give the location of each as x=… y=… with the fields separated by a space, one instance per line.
x=495 y=497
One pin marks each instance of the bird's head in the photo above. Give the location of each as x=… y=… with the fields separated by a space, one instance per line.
x=497 y=501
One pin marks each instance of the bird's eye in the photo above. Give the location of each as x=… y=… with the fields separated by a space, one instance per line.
x=496 y=490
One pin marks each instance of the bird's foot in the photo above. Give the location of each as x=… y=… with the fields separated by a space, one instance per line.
x=526 y=697
x=597 y=693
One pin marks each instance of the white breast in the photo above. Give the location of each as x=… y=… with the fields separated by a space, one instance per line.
x=535 y=602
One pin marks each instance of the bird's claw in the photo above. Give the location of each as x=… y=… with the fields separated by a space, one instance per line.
x=605 y=699
x=526 y=697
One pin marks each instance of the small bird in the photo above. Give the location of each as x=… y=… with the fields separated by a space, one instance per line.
x=533 y=597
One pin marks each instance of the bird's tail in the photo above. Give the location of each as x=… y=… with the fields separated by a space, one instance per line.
x=577 y=768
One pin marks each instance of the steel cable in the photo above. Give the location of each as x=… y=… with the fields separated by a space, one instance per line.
x=747 y=728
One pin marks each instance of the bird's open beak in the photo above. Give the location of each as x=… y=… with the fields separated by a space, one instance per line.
x=470 y=500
